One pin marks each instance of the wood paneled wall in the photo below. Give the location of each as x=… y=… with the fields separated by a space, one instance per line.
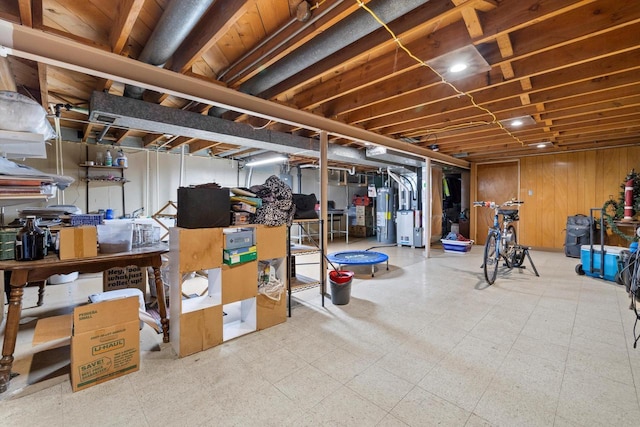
x=556 y=186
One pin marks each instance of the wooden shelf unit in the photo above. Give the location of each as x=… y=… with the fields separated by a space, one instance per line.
x=231 y=305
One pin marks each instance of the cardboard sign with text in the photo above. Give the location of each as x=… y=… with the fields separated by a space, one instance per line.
x=125 y=277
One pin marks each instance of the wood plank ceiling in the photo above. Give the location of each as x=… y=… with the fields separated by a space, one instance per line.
x=569 y=68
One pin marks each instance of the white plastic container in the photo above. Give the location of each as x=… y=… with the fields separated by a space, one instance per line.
x=115 y=237
x=456 y=246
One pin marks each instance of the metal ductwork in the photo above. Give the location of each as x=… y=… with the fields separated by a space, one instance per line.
x=177 y=21
x=135 y=114
x=351 y=29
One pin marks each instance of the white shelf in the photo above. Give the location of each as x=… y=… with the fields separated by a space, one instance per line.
x=240 y=319
x=212 y=297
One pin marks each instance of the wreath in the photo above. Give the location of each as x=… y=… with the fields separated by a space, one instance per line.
x=617 y=207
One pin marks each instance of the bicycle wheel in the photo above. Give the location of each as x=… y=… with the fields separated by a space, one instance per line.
x=491 y=258
x=509 y=252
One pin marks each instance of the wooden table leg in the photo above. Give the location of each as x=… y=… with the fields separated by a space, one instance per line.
x=41 y=286
x=11 y=329
x=162 y=303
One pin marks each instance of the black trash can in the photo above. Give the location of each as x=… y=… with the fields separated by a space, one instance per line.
x=340 y=286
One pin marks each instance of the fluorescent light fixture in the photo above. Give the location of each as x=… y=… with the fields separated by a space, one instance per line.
x=18 y=145
x=376 y=150
x=517 y=123
x=277 y=159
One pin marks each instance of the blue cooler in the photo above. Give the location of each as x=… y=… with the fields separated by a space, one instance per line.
x=611 y=258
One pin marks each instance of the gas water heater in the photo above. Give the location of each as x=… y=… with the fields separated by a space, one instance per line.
x=385 y=215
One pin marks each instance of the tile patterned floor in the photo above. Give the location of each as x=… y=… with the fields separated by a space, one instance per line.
x=425 y=343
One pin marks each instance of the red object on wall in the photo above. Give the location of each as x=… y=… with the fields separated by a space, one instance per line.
x=361 y=201
x=628 y=200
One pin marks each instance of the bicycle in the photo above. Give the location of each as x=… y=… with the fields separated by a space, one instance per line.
x=501 y=243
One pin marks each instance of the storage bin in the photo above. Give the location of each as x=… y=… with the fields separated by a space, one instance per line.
x=611 y=258
x=456 y=246
x=113 y=238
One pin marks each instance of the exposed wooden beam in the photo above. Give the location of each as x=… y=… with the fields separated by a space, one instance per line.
x=128 y=11
x=180 y=141
x=121 y=134
x=7 y=79
x=471 y=19
x=217 y=20
x=87 y=131
x=201 y=144
x=25 y=12
x=286 y=40
x=44 y=86
x=152 y=139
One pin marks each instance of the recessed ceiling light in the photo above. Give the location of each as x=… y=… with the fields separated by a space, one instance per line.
x=468 y=55
x=542 y=144
x=514 y=122
x=456 y=68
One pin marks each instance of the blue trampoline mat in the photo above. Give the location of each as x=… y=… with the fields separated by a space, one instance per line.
x=357 y=257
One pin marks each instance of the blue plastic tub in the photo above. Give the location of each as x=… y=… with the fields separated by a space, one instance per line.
x=611 y=258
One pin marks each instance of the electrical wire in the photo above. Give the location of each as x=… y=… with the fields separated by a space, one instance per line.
x=317 y=5
x=494 y=119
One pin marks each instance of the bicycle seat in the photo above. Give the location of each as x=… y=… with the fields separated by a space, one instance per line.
x=508 y=212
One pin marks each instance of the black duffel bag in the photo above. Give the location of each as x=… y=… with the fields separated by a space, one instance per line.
x=578 y=234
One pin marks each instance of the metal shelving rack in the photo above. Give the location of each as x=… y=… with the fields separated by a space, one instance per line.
x=117 y=179
x=299 y=282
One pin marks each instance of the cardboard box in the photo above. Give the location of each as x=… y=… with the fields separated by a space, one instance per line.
x=105 y=340
x=125 y=277
x=360 y=231
x=240 y=255
x=78 y=242
x=235 y=238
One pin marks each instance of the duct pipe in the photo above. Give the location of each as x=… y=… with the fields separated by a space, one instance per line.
x=181 y=183
x=315 y=17
x=248 y=176
x=351 y=171
x=177 y=21
x=34 y=45
x=147 y=177
x=59 y=162
x=405 y=193
x=102 y=133
x=396 y=178
x=349 y=30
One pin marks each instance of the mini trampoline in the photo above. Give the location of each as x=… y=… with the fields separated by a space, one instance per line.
x=358 y=258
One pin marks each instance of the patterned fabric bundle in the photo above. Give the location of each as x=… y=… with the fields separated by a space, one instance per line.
x=277 y=202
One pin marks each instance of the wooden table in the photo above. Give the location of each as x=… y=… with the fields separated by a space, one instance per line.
x=23 y=272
